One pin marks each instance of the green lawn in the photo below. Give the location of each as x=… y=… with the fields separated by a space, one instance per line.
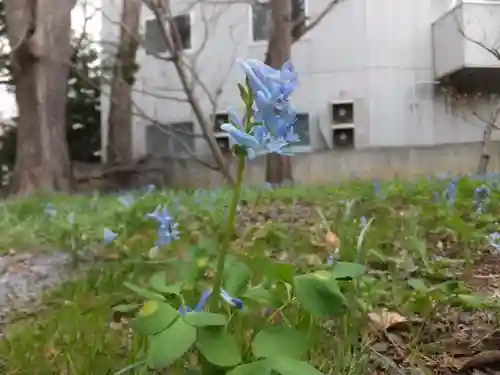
x=428 y=261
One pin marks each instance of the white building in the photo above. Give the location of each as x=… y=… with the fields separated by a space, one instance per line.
x=370 y=72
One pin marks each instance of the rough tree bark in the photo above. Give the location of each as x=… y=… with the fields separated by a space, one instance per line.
x=278 y=167
x=39 y=36
x=119 y=147
x=484 y=159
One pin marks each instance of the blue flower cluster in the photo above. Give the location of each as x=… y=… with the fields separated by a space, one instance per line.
x=268 y=125
x=167 y=228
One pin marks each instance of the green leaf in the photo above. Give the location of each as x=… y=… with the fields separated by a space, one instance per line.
x=243 y=93
x=143 y=292
x=159 y=283
x=126 y=308
x=290 y=366
x=236 y=278
x=280 y=342
x=204 y=319
x=347 y=270
x=279 y=271
x=254 y=368
x=219 y=348
x=258 y=294
x=418 y=285
x=471 y=300
x=169 y=345
x=154 y=317
x=319 y=294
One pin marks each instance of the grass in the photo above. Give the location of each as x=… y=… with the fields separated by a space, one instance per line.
x=423 y=256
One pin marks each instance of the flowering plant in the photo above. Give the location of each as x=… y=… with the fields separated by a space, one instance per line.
x=256 y=315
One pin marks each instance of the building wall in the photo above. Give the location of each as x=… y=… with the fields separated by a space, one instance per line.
x=377 y=54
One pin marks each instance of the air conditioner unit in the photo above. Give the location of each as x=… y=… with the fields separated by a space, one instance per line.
x=224 y=141
x=218 y=119
x=343 y=136
x=342 y=113
x=342 y=129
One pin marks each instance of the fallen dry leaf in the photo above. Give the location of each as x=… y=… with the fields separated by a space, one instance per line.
x=333 y=240
x=386 y=319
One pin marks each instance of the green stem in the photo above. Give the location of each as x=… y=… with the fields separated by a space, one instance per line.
x=221 y=261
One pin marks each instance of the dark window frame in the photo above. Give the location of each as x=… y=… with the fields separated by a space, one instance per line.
x=161 y=140
x=153 y=40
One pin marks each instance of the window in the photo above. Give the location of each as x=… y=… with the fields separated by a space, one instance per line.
x=261 y=21
x=154 y=41
x=302 y=129
x=172 y=140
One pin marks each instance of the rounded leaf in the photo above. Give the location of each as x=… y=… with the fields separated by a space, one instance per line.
x=154 y=317
x=347 y=270
x=158 y=282
x=254 y=368
x=169 y=345
x=236 y=278
x=219 y=348
x=204 y=319
x=143 y=292
x=280 y=342
x=319 y=294
x=290 y=366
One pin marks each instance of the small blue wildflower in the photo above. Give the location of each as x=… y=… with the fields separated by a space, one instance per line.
x=494 y=239
x=363 y=222
x=127 y=200
x=50 y=210
x=237 y=303
x=377 y=188
x=451 y=191
x=167 y=228
x=436 y=197
x=149 y=189
x=481 y=198
x=109 y=236
x=332 y=258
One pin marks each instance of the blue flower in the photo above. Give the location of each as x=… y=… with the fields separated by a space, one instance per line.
x=378 y=189
x=237 y=303
x=127 y=200
x=109 y=236
x=50 y=210
x=272 y=118
x=274 y=85
x=259 y=139
x=363 y=222
x=451 y=191
x=167 y=228
x=494 y=239
x=435 y=196
x=481 y=198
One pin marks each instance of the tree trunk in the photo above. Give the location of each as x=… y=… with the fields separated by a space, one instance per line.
x=278 y=167
x=484 y=159
x=39 y=36
x=119 y=148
